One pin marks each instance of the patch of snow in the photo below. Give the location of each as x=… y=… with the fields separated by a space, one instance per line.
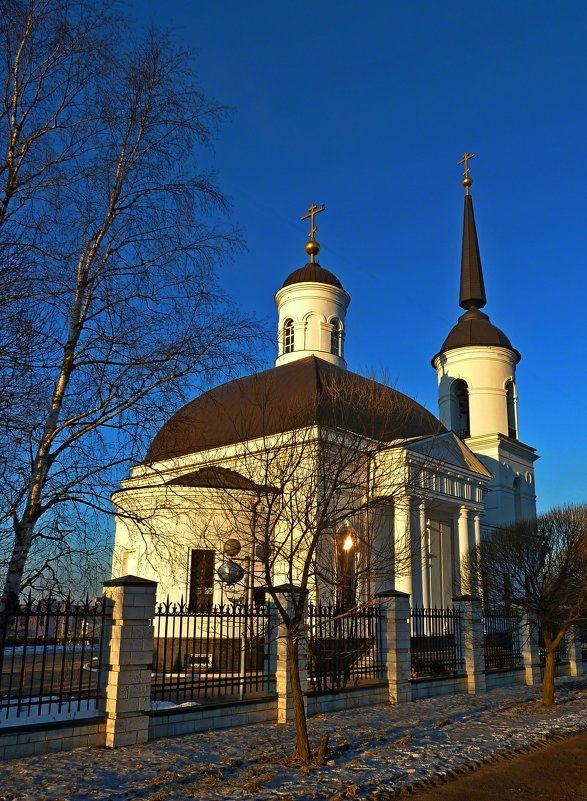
x=173 y=705
x=46 y=710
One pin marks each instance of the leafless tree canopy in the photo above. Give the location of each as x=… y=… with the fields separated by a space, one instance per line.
x=109 y=233
x=540 y=566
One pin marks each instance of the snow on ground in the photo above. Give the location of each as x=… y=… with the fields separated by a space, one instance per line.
x=374 y=751
x=47 y=709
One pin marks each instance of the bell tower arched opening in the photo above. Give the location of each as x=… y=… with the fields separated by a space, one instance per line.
x=461 y=421
x=511 y=402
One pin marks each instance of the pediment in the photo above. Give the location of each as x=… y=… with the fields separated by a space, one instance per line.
x=450 y=450
x=215 y=477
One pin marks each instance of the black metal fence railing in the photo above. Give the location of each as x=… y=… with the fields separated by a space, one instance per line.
x=561 y=654
x=436 y=642
x=344 y=647
x=212 y=652
x=51 y=658
x=502 y=642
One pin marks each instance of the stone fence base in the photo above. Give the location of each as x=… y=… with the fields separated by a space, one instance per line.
x=173 y=722
x=44 y=738
x=443 y=685
x=350 y=698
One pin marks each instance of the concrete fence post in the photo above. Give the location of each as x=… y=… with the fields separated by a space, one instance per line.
x=530 y=651
x=574 y=650
x=395 y=637
x=128 y=685
x=285 y=707
x=473 y=641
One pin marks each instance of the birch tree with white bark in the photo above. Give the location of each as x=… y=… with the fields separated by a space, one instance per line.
x=110 y=232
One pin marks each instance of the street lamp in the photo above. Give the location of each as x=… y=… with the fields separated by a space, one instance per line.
x=230 y=572
x=346 y=542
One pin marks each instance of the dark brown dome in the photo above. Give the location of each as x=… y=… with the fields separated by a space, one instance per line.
x=313 y=273
x=301 y=393
x=475 y=328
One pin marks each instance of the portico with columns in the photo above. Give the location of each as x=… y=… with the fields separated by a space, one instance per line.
x=440 y=520
x=435 y=522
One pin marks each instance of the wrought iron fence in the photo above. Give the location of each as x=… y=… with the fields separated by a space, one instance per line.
x=436 y=642
x=51 y=657
x=502 y=640
x=344 y=647
x=211 y=652
x=561 y=654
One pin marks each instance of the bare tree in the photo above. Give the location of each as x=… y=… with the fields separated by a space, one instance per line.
x=302 y=494
x=540 y=567
x=109 y=233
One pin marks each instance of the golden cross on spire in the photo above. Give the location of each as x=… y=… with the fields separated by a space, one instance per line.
x=312 y=247
x=467 y=180
x=312 y=211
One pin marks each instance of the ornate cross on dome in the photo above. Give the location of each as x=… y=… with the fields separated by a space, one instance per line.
x=467 y=181
x=312 y=247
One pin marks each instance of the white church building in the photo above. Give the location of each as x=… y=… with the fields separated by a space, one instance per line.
x=462 y=473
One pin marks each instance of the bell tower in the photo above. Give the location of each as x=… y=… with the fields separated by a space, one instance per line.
x=311 y=306
x=477 y=390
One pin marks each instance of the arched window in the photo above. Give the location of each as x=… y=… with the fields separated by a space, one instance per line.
x=336 y=338
x=510 y=397
x=288 y=336
x=461 y=420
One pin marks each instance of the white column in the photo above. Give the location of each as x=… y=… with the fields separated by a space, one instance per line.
x=425 y=548
x=416 y=534
x=477 y=589
x=463 y=528
x=402 y=546
x=477 y=529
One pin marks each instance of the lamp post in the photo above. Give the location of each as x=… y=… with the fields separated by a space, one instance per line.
x=232 y=573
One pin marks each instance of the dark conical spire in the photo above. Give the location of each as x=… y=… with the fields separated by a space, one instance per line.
x=474 y=327
x=472 y=286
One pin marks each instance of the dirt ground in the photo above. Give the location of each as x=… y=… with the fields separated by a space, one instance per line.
x=557 y=772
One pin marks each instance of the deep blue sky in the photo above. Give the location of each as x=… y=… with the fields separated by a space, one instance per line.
x=367 y=108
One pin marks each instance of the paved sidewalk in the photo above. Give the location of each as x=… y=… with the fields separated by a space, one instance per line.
x=555 y=772
x=375 y=752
